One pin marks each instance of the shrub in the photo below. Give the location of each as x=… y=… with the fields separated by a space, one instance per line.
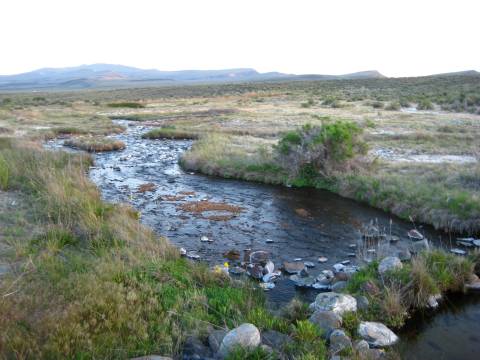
x=424 y=104
x=319 y=151
x=393 y=106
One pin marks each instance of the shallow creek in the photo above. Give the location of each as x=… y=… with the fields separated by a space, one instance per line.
x=288 y=223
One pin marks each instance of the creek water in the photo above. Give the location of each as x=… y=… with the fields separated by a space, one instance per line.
x=288 y=223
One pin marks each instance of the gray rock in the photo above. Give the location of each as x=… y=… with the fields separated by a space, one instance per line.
x=194 y=349
x=269 y=267
x=339 y=286
x=338 y=303
x=376 y=334
x=246 y=335
x=275 y=339
x=419 y=246
x=324 y=280
x=338 y=267
x=309 y=264
x=293 y=267
x=432 y=301
x=259 y=257
x=339 y=341
x=457 y=251
x=361 y=347
x=303 y=281
x=215 y=339
x=304 y=273
x=362 y=302
x=327 y=321
x=388 y=264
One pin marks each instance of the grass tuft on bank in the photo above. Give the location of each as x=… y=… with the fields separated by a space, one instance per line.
x=95 y=144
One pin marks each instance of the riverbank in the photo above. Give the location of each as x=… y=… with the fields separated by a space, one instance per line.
x=93 y=282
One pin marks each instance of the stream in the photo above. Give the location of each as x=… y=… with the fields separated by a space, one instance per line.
x=288 y=223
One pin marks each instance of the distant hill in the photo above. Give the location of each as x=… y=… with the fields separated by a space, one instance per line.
x=108 y=75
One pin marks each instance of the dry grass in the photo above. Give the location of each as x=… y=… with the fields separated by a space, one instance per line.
x=95 y=144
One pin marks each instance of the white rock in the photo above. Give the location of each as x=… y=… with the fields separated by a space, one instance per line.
x=246 y=336
x=338 y=303
x=457 y=251
x=389 y=263
x=376 y=334
x=269 y=267
x=204 y=239
x=183 y=251
x=338 y=267
x=322 y=259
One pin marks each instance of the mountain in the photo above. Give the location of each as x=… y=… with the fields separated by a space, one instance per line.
x=108 y=75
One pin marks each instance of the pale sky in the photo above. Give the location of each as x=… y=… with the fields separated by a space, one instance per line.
x=397 y=38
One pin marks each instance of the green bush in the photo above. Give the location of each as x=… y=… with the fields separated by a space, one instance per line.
x=318 y=151
x=132 y=105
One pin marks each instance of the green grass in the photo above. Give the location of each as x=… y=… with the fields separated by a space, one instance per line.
x=124 y=104
x=169 y=132
x=95 y=144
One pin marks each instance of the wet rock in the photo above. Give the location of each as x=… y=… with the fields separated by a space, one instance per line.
x=275 y=339
x=345 y=262
x=270 y=276
x=414 y=234
x=269 y=267
x=322 y=259
x=215 y=339
x=320 y=286
x=352 y=255
x=255 y=271
x=232 y=254
x=299 y=281
x=339 y=341
x=376 y=334
x=183 y=251
x=237 y=270
x=309 y=264
x=259 y=257
x=323 y=279
x=328 y=273
x=339 y=286
x=361 y=347
x=192 y=255
x=457 y=251
x=388 y=264
x=303 y=273
x=267 y=286
x=338 y=267
x=419 y=246
x=326 y=321
x=293 y=267
x=194 y=349
x=432 y=301
x=246 y=336
x=362 y=302
x=205 y=239
x=269 y=241
x=338 y=303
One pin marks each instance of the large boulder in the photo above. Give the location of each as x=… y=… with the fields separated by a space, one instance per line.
x=246 y=336
x=327 y=321
x=388 y=264
x=338 y=303
x=376 y=334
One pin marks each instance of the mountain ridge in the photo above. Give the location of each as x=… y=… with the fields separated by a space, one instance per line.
x=111 y=75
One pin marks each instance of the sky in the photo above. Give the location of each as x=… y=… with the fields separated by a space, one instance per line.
x=397 y=38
